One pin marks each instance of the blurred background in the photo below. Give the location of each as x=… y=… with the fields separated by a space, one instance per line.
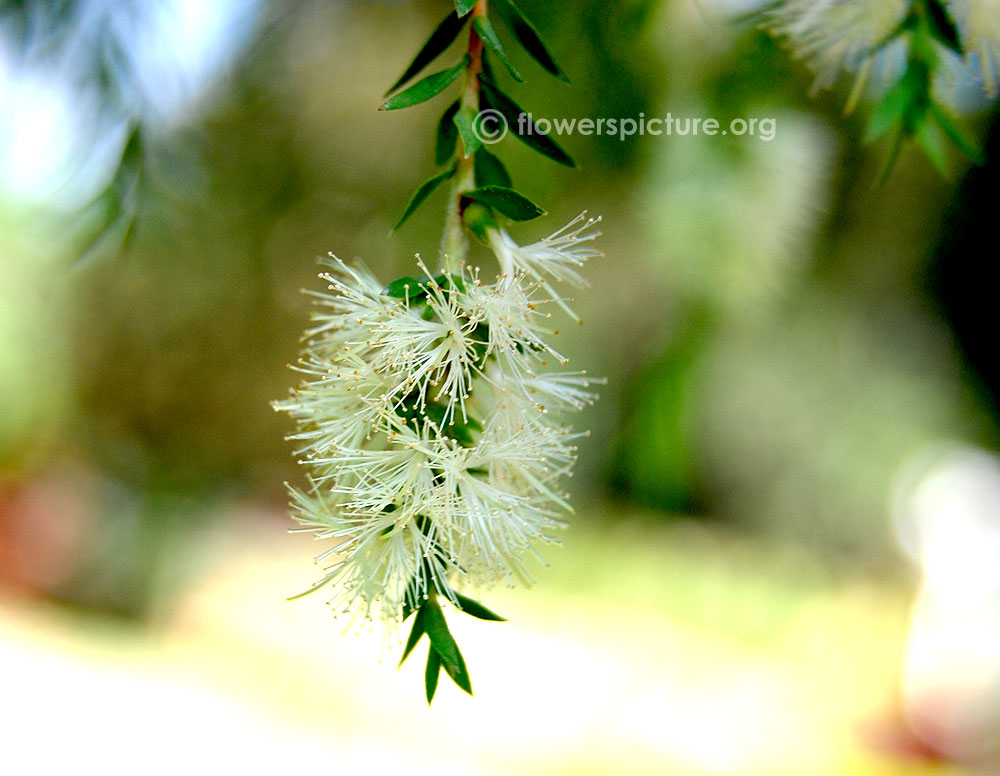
x=786 y=552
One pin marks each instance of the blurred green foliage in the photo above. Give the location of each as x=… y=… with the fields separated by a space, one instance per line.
x=773 y=350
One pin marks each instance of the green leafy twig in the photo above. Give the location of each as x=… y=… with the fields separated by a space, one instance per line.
x=478 y=176
x=443 y=651
x=482 y=192
x=908 y=110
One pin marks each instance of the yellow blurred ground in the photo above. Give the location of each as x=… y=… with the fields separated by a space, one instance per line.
x=644 y=649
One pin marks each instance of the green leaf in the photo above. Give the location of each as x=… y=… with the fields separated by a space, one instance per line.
x=431 y=674
x=445 y=280
x=891 y=111
x=890 y=161
x=447 y=135
x=523 y=128
x=437 y=631
x=402 y=287
x=436 y=414
x=476 y=609
x=490 y=171
x=114 y=219
x=425 y=88
x=113 y=212
x=512 y=204
x=415 y=633
x=464 y=6
x=442 y=37
x=527 y=36
x=459 y=674
x=943 y=27
x=415 y=288
x=443 y=643
x=930 y=139
x=881 y=121
x=465 y=120
x=487 y=70
x=459 y=430
x=962 y=141
x=489 y=35
x=425 y=190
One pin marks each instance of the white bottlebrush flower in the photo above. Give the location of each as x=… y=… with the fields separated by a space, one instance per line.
x=516 y=327
x=492 y=524
x=563 y=390
x=424 y=419
x=338 y=405
x=375 y=557
x=832 y=36
x=429 y=349
x=344 y=317
x=556 y=257
x=978 y=22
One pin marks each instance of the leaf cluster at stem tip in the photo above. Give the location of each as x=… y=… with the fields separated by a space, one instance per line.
x=458 y=135
x=443 y=652
x=483 y=192
x=908 y=110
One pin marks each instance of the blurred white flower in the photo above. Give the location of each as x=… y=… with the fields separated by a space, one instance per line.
x=832 y=36
x=978 y=23
x=426 y=426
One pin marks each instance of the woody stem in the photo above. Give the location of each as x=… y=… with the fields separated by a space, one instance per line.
x=455 y=244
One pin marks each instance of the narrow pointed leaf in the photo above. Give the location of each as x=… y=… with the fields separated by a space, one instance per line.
x=890 y=112
x=490 y=171
x=447 y=135
x=459 y=673
x=415 y=633
x=442 y=37
x=962 y=141
x=465 y=121
x=437 y=631
x=464 y=6
x=425 y=88
x=489 y=35
x=487 y=70
x=107 y=209
x=505 y=200
x=476 y=609
x=880 y=123
x=115 y=211
x=890 y=161
x=903 y=105
x=527 y=36
x=943 y=27
x=425 y=190
x=431 y=674
x=522 y=127
x=930 y=139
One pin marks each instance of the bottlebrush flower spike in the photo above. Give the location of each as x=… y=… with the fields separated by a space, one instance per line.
x=425 y=412
x=425 y=425
x=842 y=35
